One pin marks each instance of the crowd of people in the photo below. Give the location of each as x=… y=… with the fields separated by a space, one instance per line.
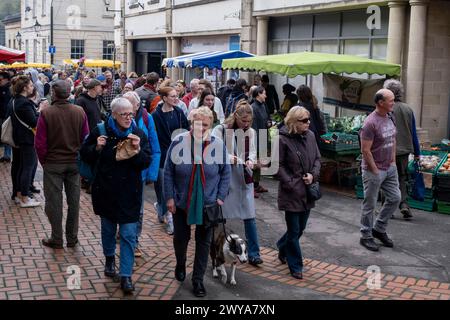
x=130 y=130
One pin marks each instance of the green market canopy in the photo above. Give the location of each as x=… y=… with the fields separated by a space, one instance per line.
x=304 y=63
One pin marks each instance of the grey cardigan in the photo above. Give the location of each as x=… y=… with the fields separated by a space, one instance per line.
x=178 y=169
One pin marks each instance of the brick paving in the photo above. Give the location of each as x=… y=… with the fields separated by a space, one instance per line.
x=31 y=271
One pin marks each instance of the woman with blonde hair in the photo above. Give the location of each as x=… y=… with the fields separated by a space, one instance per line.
x=240 y=140
x=299 y=166
x=193 y=182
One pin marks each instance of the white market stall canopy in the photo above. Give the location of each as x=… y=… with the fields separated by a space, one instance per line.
x=206 y=59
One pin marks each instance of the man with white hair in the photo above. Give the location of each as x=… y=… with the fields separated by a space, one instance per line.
x=407 y=141
x=379 y=172
x=194 y=92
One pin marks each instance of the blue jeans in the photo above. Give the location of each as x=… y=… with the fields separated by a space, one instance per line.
x=141 y=217
x=159 y=190
x=7 y=151
x=252 y=238
x=127 y=244
x=289 y=245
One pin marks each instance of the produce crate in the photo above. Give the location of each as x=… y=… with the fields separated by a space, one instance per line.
x=443 y=207
x=440 y=147
x=443 y=194
x=338 y=141
x=442 y=155
x=443 y=180
x=426 y=205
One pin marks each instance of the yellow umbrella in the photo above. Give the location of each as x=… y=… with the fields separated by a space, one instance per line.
x=38 y=65
x=101 y=63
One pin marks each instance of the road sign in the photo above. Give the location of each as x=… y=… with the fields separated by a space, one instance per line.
x=52 y=49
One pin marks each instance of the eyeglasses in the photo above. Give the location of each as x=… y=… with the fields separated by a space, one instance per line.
x=127 y=115
x=306 y=120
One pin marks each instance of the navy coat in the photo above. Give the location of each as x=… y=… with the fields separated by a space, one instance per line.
x=117 y=187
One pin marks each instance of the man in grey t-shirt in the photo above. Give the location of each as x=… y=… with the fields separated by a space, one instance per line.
x=378 y=144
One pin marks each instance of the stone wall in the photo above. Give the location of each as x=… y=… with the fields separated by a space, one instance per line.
x=437 y=71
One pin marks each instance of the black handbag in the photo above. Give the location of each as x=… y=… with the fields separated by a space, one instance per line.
x=313 y=192
x=212 y=215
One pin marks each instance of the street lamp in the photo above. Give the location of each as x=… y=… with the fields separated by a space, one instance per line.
x=37 y=27
x=19 y=40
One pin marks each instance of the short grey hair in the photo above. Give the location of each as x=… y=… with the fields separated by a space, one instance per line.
x=120 y=103
x=194 y=82
x=133 y=95
x=396 y=87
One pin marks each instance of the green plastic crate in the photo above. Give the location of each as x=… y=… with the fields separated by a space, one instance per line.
x=429 y=193
x=443 y=207
x=440 y=154
x=340 y=142
x=426 y=205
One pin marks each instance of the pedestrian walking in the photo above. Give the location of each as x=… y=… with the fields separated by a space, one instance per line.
x=261 y=123
x=24 y=117
x=168 y=118
x=379 y=172
x=5 y=98
x=60 y=132
x=307 y=100
x=190 y=186
x=299 y=167
x=117 y=187
x=240 y=140
x=272 y=101
x=406 y=140
x=144 y=121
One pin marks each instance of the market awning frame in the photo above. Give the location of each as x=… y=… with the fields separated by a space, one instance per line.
x=312 y=63
x=206 y=59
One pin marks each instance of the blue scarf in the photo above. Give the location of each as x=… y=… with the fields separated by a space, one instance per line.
x=119 y=133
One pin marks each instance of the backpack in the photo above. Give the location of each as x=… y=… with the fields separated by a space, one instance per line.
x=88 y=171
x=232 y=101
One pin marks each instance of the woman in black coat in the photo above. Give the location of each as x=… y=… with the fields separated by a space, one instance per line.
x=24 y=119
x=117 y=187
x=307 y=100
x=299 y=167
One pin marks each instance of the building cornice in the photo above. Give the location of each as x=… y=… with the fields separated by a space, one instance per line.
x=187 y=34
x=321 y=7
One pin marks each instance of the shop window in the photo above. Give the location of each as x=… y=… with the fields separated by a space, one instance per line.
x=354 y=23
x=326 y=46
x=279 y=28
x=278 y=47
x=383 y=31
x=301 y=27
x=326 y=25
x=379 y=49
x=299 y=46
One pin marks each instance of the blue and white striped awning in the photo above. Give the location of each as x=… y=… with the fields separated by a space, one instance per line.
x=206 y=59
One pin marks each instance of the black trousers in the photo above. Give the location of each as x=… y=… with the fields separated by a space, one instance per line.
x=181 y=237
x=15 y=164
x=27 y=169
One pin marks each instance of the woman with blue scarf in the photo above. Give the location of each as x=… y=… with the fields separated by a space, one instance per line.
x=117 y=186
x=196 y=175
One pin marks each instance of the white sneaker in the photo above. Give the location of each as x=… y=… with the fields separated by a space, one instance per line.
x=16 y=200
x=30 y=203
x=169 y=221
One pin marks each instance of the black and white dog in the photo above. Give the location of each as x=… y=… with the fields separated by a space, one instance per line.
x=226 y=249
